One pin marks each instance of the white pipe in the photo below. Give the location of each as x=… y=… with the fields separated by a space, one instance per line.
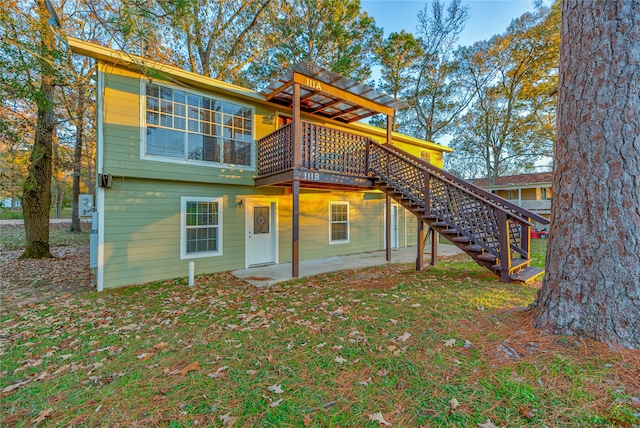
x=192 y=269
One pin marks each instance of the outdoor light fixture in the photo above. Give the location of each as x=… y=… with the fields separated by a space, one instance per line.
x=240 y=204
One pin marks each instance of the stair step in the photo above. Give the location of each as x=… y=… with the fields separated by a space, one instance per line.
x=438 y=224
x=487 y=257
x=475 y=248
x=461 y=239
x=516 y=264
x=450 y=231
x=429 y=216
x=528 y=274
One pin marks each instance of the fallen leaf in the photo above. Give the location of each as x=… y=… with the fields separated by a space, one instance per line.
x=220 y=373
x=276 y=389
x=526 y=412
x=42 y=416
x=454 y=403
x=377 y=417
x=161 y=345
x=228 y=420
x=487 y=424
x=382 y=372
x=365 y=382
x=276 y=403
x=190 y=368
x=339 y=360
x=404 y=337
x=416 y=305
x=307 y=421
x=450 y=342
x=9 y=389
x=63 y=368
x=144 y=356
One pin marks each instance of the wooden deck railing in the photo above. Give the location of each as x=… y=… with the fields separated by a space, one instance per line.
x=275 y=151
x=498 y=226
x=323 y=149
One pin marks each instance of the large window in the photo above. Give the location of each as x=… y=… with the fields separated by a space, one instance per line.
x=201 y=231
x=188 y=126
x=338 y=222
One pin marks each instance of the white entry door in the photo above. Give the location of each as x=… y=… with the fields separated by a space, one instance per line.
x=261 y=233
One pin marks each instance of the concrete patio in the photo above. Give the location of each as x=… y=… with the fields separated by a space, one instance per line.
x=262 y=276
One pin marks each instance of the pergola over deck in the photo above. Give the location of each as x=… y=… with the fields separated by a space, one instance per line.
x=313 y=90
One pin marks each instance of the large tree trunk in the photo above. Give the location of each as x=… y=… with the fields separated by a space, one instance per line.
x=77 y=162
x=36 y=198
x=592 y=286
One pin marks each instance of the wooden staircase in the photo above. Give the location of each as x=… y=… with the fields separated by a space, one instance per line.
x=493 y=231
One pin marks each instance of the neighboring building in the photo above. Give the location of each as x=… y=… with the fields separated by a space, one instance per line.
x=529 y=191
x=188 y=170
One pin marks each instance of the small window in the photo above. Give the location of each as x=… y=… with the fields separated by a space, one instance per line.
x=338 y=222
x=201 y=232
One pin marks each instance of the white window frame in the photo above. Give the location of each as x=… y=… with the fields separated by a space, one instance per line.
x=183 y=228
x=185 y=160
x=348 y=222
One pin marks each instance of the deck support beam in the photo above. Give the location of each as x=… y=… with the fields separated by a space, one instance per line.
x=295 y=229
x=388 y=204
x=434 y=246
x=295 y=185
x=387 y=227
x=421 y=242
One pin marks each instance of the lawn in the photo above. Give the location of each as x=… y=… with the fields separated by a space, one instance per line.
x=384 y=346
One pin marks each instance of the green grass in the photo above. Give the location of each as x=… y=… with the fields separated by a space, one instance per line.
x=13 y=238
x=119 y=355
x=9 y=214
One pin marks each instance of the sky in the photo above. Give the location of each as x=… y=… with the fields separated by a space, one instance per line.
x=486 y=17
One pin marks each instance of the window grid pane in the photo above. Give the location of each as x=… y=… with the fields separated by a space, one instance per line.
x=197 y=122
x=202 y=227
x=339 y=222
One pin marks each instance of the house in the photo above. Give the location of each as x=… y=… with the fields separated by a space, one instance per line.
x=529 y=191
x=192 y=170
x=184 y=177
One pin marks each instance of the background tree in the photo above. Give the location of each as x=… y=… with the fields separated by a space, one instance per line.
x=592 y=285
x=509 y=126
x=334 y=34
x=30 y=74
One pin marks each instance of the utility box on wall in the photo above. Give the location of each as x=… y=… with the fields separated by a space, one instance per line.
x=85 y=205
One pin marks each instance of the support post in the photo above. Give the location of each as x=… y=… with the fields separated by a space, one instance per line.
x=297 y=127
x=295 y=228
x=420 y=241
x=389 y=130
x=434 y=246
x=505 y=246
x=387 y=227
x=526 y=238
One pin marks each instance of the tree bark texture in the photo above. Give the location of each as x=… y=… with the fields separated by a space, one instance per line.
x=592 y=286
x=36 y=197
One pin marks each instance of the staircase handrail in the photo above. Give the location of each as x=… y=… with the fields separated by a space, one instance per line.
x=452 y=180
x=460 y=183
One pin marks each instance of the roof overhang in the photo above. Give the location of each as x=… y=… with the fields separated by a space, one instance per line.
x=327 y=94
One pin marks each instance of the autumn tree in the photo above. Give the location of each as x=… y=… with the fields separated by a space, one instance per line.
x=510 y=124
x=592 y=285
x=29 y=58
x=334 y=34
